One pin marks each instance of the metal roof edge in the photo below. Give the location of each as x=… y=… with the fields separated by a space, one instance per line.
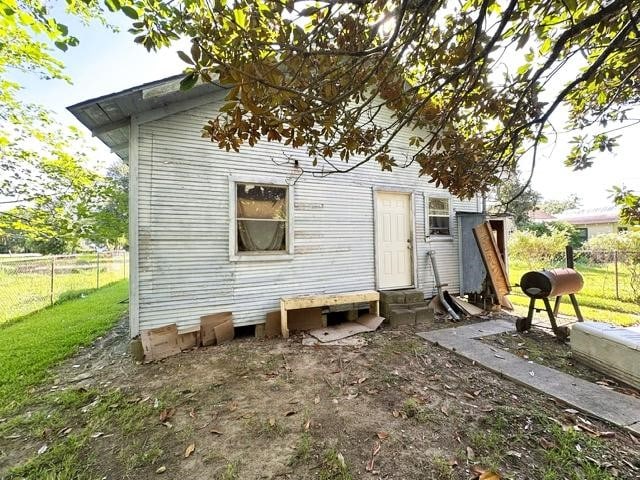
x=124 y=92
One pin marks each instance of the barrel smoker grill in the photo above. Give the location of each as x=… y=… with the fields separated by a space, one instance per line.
x=545 y=284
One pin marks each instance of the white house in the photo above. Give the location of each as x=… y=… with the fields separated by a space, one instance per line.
x=214 y=231
x=592 y=222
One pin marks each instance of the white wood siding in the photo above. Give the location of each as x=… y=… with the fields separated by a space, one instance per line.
x=183 y=215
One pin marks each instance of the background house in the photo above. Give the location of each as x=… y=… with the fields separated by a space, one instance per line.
x=213 y=231
x=592 y=222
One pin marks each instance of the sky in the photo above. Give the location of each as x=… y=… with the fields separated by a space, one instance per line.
x=107 y=62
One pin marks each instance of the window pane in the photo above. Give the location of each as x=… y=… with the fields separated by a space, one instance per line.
x=439 y=225
x=261 y=201
x=438 y=206
x=261 y=236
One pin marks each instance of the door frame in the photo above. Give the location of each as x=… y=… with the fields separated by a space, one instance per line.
x=412 y=211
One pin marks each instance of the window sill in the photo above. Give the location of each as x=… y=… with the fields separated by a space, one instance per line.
x=440 y=238
x=267 y=257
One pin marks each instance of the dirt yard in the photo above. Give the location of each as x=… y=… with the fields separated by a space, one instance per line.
x=395 y=408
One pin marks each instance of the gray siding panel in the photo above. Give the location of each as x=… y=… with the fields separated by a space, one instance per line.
x=183 y=227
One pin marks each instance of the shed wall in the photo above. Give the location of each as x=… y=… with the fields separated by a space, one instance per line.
x=183 y=227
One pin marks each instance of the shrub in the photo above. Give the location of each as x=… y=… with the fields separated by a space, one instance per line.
x=538 y=250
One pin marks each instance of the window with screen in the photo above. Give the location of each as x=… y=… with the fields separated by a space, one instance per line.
x=439 y=216
x=582 y=235
x=261 y=218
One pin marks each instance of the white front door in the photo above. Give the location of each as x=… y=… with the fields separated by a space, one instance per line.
x=394 y=242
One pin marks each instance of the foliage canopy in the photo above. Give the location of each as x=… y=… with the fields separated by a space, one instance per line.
x=43 y=167
x=476 y=81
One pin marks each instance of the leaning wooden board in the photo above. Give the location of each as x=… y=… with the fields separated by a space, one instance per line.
x=492 y=260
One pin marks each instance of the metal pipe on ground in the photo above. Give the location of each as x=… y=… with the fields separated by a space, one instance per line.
x=432 y=256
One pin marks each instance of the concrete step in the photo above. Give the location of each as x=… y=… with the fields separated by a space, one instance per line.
x=403 y=315
x=401 y=296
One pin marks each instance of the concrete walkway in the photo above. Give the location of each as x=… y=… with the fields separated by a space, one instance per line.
x=617 y=408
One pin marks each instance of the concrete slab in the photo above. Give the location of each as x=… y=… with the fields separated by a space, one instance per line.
x=617 y=408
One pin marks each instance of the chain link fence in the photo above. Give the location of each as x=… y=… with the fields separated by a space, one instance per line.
x=619 y=271
x=28 y=284
x=608 y=274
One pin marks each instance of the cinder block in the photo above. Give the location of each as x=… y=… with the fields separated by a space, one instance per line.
x=413 y=296
x=415 y=305
x=343 y=307
x=392 y=297
x=136 y=350
x=424 y=315
x=401 y=316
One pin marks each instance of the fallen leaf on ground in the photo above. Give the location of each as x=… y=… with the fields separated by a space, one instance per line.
x=470 y=454
x=513 y=453
x=97 y=434
x=189 y=450
x=572 y=411
x=42 y=449
x=289 y=413
x=166 y=414
x=233 y=406
x=546 y=444
x=444 y=410
x=395 y=413
x=481 y=474
x=374 y=452
x=272 y=421
x=307 y=425
x=161 y=469
x=606 y=434
x=316 y=400
x=382 y=435
x=215 y=431
x=192 y=413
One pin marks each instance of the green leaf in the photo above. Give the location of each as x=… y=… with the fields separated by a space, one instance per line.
x=240 y=17
x=64 y=31
x=112 y=5
x=188 y=82
x=522 y=41
x=185 y=58
x=130 y=12
x=62 y=46
x=546 y=46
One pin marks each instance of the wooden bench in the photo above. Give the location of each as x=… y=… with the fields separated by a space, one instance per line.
x=326 y=300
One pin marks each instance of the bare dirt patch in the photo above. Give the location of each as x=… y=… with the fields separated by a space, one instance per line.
x=396 y=408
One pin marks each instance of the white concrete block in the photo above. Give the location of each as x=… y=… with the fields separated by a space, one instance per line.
x=609 y=349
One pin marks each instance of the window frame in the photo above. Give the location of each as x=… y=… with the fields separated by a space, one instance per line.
x=234 y=254
x=582 y=230
x=427 y=223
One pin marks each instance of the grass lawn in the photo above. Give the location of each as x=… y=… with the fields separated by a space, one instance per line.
x=597 y=299
x=32 y=344
x=24 y=292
